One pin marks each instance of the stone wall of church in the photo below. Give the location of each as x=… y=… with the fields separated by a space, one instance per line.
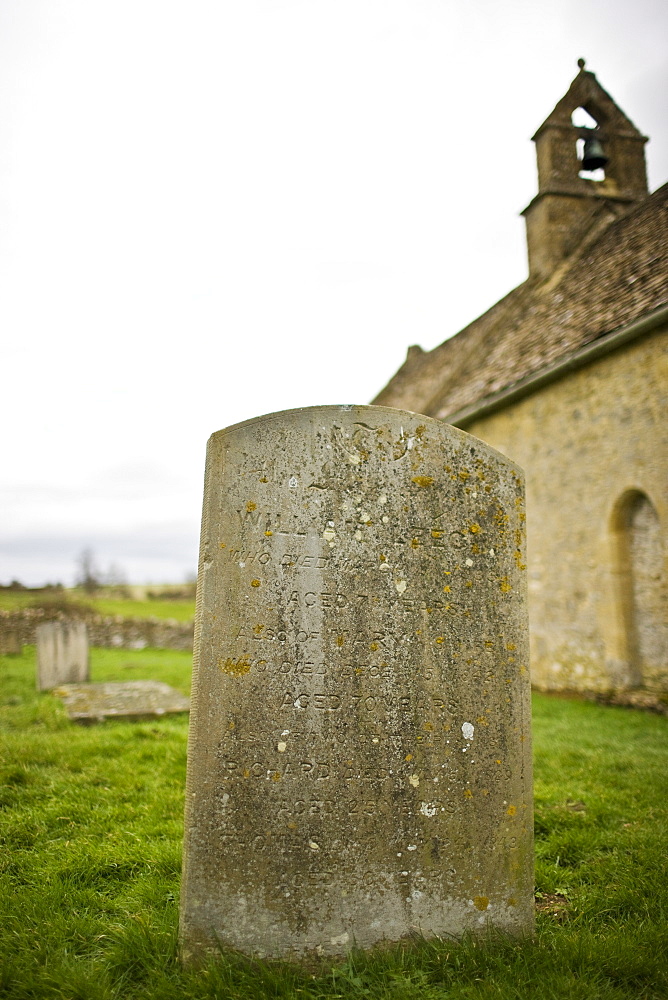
x=594 y=447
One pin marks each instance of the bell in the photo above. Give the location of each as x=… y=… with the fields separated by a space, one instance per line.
x=593 y=156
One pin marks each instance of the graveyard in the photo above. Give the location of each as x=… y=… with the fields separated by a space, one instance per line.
x=354 y=763
x=92 y=826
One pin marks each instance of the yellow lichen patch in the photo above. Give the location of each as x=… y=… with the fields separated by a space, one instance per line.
x=518 y=560
x=340 y=640
x=251 y=506
x=474 y=528
x=511 y=810
x=222 y=545
x=504 y=585
x=382 y=557
x=447 y=589
x=501 y=519
x=437 y=534
x=511 y=647
x=415 y=543
x=475 y=549
x=255 y=583
x=439 y=640
x=464 y=474
x=264 y=480
x=231 y=724
x=409 y=757
x=292 y=826
x=268 y=533
x=257 y=629
x=373 y=646
x=481 y=902
x=469 y=583
x=235 y=668
x=246 y=773
x=422 y=480
x=276 y=776
x=428 y=727
x=468 y=794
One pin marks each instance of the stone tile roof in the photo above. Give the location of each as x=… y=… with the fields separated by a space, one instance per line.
x=617 y=275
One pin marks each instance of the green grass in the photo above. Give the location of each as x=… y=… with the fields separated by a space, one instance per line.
x=91 y=827
x=182 y=611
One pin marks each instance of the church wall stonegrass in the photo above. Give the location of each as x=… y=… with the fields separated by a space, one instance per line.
x=90 y=836
x=589 y=443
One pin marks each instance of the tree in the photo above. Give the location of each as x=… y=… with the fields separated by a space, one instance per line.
x=88 y=576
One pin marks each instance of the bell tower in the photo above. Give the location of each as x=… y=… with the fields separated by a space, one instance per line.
x=591 y=170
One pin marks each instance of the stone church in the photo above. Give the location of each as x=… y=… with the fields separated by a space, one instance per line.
x=568 y=376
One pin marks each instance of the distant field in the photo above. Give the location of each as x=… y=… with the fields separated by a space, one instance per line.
x=181 y=610
x=91 y=822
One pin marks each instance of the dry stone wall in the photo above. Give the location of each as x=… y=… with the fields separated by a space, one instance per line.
x=19 y=628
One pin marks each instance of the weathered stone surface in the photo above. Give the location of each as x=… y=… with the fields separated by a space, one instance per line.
x=129 y=700
x=10 y=643
x=359 y=755
x=62 y=654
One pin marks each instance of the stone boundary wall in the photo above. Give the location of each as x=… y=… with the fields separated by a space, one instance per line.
x=107 y=631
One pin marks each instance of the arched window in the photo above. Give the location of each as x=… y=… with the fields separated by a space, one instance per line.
x=641 y=595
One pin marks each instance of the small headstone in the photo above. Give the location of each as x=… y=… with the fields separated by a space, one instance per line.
x=129 y=700
x=359 y=764
x=62 y=654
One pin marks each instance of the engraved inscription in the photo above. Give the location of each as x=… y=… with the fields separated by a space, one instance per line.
x=359 y=761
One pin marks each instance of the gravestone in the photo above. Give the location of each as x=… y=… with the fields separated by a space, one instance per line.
x=359 y=762
x=87 y=703
x=62 y=654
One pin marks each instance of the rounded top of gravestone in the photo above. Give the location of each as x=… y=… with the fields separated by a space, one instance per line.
x=355 y=412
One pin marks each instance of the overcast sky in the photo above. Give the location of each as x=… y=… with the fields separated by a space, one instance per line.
x=211 y=210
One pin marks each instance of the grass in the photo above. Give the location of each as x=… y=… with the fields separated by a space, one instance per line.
x=91 y=826
x=181 y=610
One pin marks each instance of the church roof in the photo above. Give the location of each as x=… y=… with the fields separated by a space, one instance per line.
x=618 y=275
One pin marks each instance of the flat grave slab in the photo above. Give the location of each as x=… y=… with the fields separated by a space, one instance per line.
x=87 y=703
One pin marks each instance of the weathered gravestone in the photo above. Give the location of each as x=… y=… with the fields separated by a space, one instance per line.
x=359 y=762
x=87 y=703
x=62 y=654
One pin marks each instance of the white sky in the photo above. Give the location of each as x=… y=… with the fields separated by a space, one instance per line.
x=211 y=210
